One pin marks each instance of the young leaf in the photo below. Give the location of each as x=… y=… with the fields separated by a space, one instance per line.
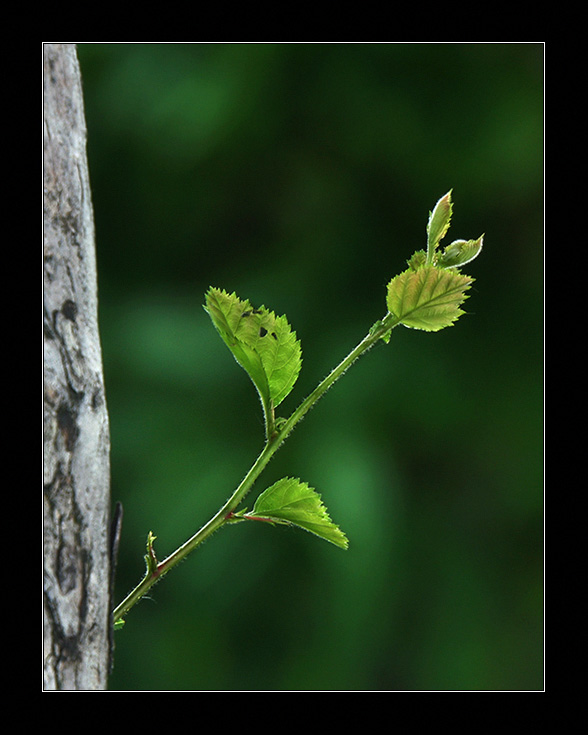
x=438 y=224
x=262 y=343
x=293 y=502
x=417 y=260
x=460 y=252
x=428 y=298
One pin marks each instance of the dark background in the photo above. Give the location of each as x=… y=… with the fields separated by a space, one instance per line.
x=301 y=176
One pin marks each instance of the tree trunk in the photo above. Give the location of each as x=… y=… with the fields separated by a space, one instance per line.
x=76 y=435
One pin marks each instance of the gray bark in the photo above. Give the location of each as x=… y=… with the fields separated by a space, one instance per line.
x=76 y=433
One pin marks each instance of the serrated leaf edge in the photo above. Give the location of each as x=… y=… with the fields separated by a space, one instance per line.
x=310 y=527
x=456 y=295
x=229 y=335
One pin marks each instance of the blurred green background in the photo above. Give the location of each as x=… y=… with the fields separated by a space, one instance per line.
x=301 y=176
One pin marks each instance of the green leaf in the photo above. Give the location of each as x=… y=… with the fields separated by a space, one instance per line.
x=293 y=502
x=417 y=260
x=438 y=224
x=460 y=252
x=428 y=298
x=150 y=557
x=262 y=343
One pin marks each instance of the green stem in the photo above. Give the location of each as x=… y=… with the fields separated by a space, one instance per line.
x=268 y=414
x=273 y=441
x=374 y=335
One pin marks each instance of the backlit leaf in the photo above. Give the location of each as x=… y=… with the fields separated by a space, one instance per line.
x=261 y=342
x=460 y=252
x=428 y=298
x=438 y=224
x=293 y=502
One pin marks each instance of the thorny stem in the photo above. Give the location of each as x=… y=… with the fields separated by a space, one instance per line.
x=273 y=442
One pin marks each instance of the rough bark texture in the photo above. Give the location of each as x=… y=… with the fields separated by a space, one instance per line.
x=76 y=434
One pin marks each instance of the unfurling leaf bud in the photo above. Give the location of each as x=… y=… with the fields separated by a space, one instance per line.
x=417 y=260
x=438 y=224
x=460 y=252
